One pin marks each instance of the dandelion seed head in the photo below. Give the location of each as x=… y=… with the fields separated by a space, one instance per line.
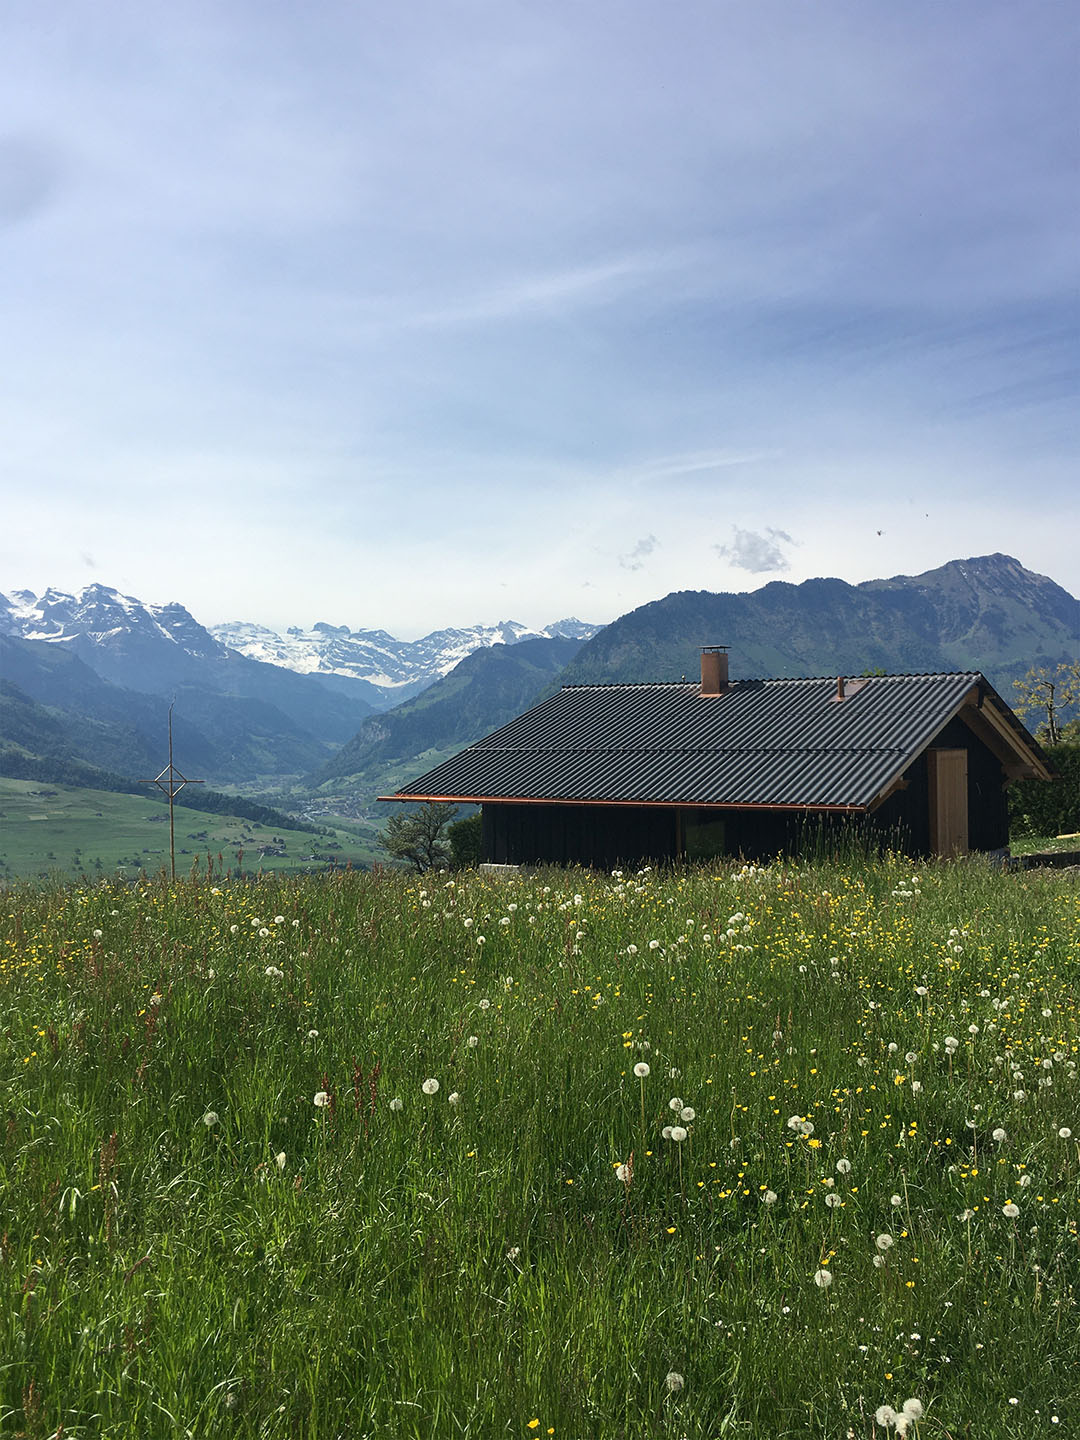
x=823 y=1279
x=430 y=1087
x=397 y=1103
x=641 y=1070
x=674 y=1381
x=210 y=1119
x=321 y=1100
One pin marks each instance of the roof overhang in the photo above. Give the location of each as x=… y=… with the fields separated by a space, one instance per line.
x=1004 y=737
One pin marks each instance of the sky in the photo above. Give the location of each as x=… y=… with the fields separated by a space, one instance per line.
x=416 y=313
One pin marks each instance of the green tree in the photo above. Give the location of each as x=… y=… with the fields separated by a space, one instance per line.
x=1048 y=693
x=466 y=842
x=419 y=836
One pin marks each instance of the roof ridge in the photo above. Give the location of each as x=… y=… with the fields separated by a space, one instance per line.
x=770 y=680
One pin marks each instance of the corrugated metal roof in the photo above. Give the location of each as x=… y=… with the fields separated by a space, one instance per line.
x=763 y=742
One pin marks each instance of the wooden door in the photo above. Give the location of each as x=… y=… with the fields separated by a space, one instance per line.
x=948 y=801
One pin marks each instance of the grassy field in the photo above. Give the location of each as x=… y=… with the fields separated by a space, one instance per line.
x=59 y=830
x=751 y=1152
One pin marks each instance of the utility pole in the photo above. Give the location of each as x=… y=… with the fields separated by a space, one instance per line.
x=171 y=782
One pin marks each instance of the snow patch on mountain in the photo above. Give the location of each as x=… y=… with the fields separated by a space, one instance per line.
x=99 y=619
x=377 y=657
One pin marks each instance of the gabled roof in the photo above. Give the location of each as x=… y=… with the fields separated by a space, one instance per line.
x=761 y=743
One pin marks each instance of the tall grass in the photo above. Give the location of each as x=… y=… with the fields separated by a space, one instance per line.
x=191 y=1245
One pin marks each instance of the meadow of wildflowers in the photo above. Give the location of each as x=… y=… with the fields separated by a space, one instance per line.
x=782 y=1151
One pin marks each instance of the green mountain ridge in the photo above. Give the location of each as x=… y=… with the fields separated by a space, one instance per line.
x=987 y=613
x=40 y=744
x=124 y=730
x=483 y=691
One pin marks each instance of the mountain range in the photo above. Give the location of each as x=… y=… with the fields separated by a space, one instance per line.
x=87 y=679
x=394 y=669
x=987 y=613
x=106 y=666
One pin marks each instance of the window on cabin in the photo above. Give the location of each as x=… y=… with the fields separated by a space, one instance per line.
x=704 y=838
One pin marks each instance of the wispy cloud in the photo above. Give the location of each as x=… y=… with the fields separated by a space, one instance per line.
x=552 y=292
x=635 y=558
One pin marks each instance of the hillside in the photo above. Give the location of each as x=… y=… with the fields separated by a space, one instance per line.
x=224 y=737
x=161 y=650
x=49 y=829
x=986 y=613
x=484 y=690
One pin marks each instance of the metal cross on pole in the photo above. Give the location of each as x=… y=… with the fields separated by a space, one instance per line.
x=171 y=782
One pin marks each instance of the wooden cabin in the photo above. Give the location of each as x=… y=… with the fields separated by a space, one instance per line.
x=605 y=775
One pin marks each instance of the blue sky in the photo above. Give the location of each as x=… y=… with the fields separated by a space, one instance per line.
x=416 y=314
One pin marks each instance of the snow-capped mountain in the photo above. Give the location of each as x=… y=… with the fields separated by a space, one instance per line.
x=110 y=630
x=152 y=647
x=377 y=657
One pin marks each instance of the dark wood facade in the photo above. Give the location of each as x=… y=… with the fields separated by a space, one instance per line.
x=910 y=820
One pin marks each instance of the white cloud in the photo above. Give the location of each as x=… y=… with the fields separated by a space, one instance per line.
x=750 y=550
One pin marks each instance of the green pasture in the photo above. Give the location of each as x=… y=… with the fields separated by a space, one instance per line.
x=58 y=830
x=742 y=1152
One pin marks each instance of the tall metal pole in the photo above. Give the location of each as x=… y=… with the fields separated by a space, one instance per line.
x=171 y=782
x=172 y=796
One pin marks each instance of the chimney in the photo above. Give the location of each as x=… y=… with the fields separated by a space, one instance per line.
x=714 y=669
